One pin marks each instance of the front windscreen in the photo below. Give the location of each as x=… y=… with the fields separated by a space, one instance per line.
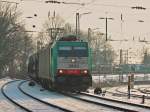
x=70 y=51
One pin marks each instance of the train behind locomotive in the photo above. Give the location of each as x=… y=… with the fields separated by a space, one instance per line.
x=66 y=64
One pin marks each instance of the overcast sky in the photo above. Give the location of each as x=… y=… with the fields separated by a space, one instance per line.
x=98 y=8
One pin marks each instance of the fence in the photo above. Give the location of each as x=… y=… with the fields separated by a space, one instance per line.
x=122 y=69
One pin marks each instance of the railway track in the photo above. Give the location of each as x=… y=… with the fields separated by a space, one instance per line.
x=145 y=90
x=100 y=101
x=5 y=104
x=15 y=92
x=115 y=104
x=77 y=105
x=11 y=91
x=136 y=107
x=133 y=95
x=124 y=94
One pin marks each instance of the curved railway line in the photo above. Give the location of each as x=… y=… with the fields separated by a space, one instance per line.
x=114 y=104
x=119 y=105
x=77 y=103
x=145 y=90
x=117 y=102
x=10 y=99
x=133 y=95
x=32 y=105
x=67 y=102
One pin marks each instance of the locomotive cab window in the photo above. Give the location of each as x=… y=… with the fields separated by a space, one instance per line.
x=65 y=48
x=70 y=51
x=80 y=51
x=80 y=48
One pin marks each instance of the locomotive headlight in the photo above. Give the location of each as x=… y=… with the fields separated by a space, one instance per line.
x=73 y=60
x=85 y=71
x=60 y=71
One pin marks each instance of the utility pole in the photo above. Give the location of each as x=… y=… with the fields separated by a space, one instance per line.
x=121 y=60
x=89 y=36
x=127 y=56
x=106 y=29
x=106 y=19
x=77 y=25
x=129 y=86
x=121 y=32
x=105 y=55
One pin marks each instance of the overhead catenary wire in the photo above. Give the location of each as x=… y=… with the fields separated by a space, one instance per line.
x=94 y=3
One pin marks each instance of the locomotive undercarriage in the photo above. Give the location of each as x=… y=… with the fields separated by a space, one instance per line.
x=73 y=83
x=67 y=83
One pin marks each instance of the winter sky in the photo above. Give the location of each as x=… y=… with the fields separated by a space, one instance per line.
x=131 y=27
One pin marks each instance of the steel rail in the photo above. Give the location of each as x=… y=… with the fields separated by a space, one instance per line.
x=47 y=103
x=3 y=92
x=147 y=91
x=133 y=95
x=98 y=103
x=117 y=101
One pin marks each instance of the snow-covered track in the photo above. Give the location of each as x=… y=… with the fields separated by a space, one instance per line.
x=11 y=91
x=118 y=105
x=9 y=98
x=5 y=104
x=63 y=109
x=65 y=100
x=100 y=103
x=132 y=95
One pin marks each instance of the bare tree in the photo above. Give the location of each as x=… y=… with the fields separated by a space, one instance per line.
x=102 y=52
x=14 y=42
x=54 y=27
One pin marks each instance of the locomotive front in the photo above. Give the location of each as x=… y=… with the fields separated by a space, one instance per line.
x=73 y=70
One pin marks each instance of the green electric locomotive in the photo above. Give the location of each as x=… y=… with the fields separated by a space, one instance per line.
x=66 y=64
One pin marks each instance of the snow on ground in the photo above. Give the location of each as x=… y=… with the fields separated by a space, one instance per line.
x=5 y=105
x=64 y=101
x=108 y=77
x=13 y=92
x=125 y=98
x=102 y=78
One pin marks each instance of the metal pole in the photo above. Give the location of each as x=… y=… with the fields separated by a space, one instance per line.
x=99 y=73
x=129 y=81
x=121 y=24
x=143 y=99
x=89 y=36
x=105 y=59
x=106 y=28
x=127 y=57
x=121 y=60
x=120 y=56
x=77 y=25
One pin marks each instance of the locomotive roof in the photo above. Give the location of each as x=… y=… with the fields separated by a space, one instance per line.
x=70 y=37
